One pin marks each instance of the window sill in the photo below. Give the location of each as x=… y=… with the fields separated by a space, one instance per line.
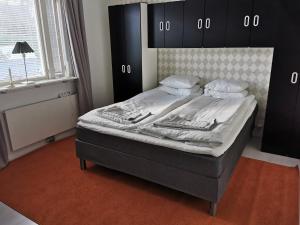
x=37 y=84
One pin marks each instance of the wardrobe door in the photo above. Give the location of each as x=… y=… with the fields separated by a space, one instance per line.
x=294 y=151
x=282 y=101
x=292 y=37
x=288 y=38
x=118 y=50
x=215 y=23
x=173 y=24
x=238 y=23
x=133 y=75
x=193 y=23
x=282 y=125
x=265 y=24
x=156 y=25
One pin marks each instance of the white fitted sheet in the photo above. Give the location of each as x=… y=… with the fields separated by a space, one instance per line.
x=155 y=101
x=236 y=126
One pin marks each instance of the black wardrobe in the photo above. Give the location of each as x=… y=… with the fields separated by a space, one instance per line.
x=134 y=65
x=244 y=23
x=213 y=23
x=282 y=126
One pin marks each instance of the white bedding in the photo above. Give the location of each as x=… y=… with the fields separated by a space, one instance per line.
x=228 y=86
x=219 y=94
x=235 y=128
x=204 y=121
x=155 y=101
x=181 y=91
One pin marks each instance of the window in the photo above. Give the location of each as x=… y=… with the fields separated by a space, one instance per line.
x=37 y=22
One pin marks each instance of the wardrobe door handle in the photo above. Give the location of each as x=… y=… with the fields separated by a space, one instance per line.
x=200 y=24
x=129 y=69
x=207 y=23
x=161 y=26
x=256 y=21
x=168 y=26
x=123 y=69
x=247 y=21
x=294 y=79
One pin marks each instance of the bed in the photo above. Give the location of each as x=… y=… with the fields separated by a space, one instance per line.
x=203 y=174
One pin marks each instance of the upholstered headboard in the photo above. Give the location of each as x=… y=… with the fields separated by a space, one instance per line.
x=249 y=64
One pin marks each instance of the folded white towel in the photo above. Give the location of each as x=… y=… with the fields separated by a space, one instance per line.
x=122 y=115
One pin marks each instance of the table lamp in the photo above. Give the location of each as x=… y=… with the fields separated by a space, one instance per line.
x=23 y=48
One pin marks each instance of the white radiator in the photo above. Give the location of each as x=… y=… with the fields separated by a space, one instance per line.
x=33 y=123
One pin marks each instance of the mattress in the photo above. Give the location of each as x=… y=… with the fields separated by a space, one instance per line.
x=204 y=165
x=243 y=115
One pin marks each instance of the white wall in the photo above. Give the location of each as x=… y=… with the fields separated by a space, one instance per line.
x=29 y=96
x=98 y=40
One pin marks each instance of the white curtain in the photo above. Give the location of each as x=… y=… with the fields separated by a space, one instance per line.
x=3 y=146
x=73 y=16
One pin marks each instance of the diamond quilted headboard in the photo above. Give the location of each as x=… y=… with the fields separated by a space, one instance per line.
x=249 y=64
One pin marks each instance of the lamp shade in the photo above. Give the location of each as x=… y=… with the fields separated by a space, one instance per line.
x=22 y=47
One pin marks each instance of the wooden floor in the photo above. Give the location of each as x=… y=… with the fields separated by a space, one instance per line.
x=48 y=187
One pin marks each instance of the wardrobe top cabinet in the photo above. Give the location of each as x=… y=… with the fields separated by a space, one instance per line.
x=204 y=23
x=214 y=23
x=253 y=23
x=194 y=19
x=165 y=25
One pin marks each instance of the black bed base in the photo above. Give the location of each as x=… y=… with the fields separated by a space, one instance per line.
x=123 y=156
x=213 y=205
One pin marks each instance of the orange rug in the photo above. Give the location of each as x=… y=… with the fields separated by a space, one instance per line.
x=48 y=187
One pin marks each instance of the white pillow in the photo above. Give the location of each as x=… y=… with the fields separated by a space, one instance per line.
x=180 y=81
x=227 y=85
x=181 y=91
x=218 y=94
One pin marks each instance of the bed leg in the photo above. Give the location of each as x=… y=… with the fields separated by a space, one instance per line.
x=213 y=208
x=82 y=164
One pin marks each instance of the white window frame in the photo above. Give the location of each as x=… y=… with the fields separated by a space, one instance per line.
x=47 y=62
x=46 y=42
